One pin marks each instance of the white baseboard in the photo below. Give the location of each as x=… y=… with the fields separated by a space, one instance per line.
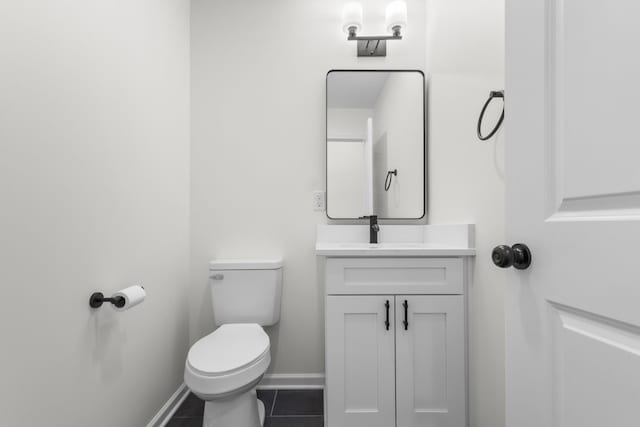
x=166 y=412
x=291 y=381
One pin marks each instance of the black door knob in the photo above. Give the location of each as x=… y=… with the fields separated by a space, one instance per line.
x=518 y=256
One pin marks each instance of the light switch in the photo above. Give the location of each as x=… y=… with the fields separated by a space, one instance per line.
x=318 y=200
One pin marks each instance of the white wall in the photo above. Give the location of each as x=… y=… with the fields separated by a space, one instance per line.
x=465 y=60
x=94 y=187
x=346 y=180
x=349 y=123
x=258 y=146
x=402 y=130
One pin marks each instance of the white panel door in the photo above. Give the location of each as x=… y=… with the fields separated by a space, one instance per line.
x=360 y=365
x=430 y=361
x=573 y=196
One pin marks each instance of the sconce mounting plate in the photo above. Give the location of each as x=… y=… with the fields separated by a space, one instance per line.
x=371 y=48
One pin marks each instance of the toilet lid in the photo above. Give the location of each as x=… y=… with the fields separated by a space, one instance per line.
x=228 y=348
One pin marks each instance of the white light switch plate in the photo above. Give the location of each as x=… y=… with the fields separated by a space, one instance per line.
x=318 y=200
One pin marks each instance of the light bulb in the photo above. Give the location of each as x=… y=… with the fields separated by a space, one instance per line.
x=352 y=16
x=396 y=15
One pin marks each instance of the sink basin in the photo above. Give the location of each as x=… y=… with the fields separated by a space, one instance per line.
x=396 y=240
x=355 y=245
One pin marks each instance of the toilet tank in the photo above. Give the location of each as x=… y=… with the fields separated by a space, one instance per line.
x=246 y=291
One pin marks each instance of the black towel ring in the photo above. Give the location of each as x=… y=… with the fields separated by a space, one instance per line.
x=492 y=94
x=389 y=178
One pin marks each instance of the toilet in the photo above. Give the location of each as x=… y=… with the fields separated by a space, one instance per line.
x=224 y=367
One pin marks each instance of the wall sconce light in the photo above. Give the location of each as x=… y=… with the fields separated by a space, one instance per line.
x=396 y=20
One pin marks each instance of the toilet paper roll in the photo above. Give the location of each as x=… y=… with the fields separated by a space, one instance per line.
x=133 y=295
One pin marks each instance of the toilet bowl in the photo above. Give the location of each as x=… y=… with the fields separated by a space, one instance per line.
x=224 y=367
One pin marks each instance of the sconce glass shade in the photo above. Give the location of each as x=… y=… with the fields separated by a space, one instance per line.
x=352 y=16
x=396 y=15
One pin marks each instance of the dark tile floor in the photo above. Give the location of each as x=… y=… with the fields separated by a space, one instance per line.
x=284 y=408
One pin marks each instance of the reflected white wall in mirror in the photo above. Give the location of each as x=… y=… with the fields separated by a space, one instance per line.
x=375 y=125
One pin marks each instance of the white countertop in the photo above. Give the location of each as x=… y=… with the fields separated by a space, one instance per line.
x=396 y=240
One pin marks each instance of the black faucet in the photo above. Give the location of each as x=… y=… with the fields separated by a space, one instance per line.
x=373 y=227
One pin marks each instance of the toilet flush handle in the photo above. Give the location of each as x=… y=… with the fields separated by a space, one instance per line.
x=218 y=276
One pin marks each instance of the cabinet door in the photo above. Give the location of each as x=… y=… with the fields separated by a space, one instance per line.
x=360 y=361
x=430 y=361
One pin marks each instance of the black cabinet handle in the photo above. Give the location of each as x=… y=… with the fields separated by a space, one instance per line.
x=405 y=304
x=386 y=322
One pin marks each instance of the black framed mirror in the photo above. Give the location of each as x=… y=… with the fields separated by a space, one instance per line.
x=376 y=144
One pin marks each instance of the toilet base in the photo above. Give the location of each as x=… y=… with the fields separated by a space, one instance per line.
x=242 y=410
x=261 y=412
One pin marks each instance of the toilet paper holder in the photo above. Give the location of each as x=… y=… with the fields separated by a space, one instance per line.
x=97 y=299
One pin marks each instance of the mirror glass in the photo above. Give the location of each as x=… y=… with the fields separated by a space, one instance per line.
x=375 y=144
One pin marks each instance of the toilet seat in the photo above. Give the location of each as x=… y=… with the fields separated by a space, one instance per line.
x=228 y=349
x=232 y=357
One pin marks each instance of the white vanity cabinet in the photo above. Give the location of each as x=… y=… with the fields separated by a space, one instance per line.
x=360 y=361
x=401 y=377
x=430 y=361
x=395 y=326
